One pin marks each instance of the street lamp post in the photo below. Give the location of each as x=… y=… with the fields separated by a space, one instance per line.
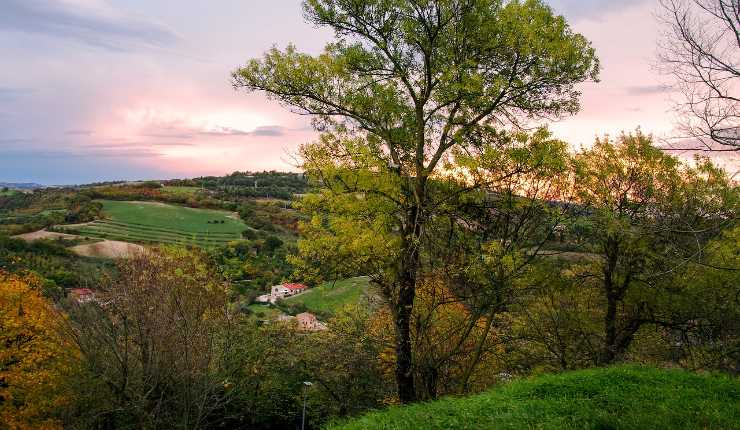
x=306 y=384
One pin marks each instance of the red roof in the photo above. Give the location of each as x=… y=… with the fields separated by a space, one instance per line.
x=81 y=291
x=295 y=286
x=306 y=316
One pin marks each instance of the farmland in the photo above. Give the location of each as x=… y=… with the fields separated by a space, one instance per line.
x=181 y=191
x=150 y=222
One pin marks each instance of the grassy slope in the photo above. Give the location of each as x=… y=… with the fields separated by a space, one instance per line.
x=331 y=296
x=149 y=222
x=181 y=190
x=171 y=216
x=626 y=397
x=261 y=311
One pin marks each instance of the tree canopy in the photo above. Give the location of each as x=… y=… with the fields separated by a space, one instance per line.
x=407 y=81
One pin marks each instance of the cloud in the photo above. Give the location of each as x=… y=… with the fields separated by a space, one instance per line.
x=644 y=90
x=269 y=130
x=133 y=145
x=83 y=153
x=591 y=9
x=11 y=141
x=92 y=22
x=224 y=131
x=169 y=134
x=262 y=131
x=12 y=94
x=178 y=130
x=78 y=132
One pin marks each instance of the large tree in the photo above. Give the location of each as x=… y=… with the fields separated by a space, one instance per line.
x=410 y=80
x=701 y=51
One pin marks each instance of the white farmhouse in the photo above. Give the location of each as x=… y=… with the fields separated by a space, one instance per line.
x=285 y=290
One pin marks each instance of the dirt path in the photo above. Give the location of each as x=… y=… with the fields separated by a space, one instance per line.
x=108 y=249
x=43 y=234
x=104 y=249
x=82 y=224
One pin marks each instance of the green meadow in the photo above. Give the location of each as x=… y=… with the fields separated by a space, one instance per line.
x=187 y=191
x=151 y=222
x=332 y=296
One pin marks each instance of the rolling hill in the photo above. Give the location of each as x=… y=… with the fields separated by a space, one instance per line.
x=153 y=222
x=329 y=297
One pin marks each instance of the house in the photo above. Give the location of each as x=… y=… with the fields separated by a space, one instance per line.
x=304 y=321
x=309 y=322
x=82 y=295
x=285 y=290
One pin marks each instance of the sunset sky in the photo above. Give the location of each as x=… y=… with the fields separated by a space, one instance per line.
x=95 y=90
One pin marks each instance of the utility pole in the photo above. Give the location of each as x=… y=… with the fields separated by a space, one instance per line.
x=306 y=384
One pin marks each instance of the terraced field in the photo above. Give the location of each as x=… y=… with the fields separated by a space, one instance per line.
x=150 y=222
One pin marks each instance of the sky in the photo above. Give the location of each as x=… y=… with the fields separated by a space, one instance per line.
x=95 y=90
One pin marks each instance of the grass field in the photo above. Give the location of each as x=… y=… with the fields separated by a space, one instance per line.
x=625 y=397
x=181 y=190
x=331 y=296
x=150 y=222
x=261 y=311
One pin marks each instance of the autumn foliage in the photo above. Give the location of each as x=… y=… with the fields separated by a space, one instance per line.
x=35 y=358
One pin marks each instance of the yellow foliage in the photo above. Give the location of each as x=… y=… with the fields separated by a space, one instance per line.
x=445 y=335
x=34 y=357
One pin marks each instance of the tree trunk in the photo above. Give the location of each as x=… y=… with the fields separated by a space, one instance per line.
x=478 y=352
x=404 y=367
x=609 y=350
x=431 y=377
x=404 y=301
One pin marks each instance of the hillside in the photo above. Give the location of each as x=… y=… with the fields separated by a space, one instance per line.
x=329 y=297
x=152 y=222
x=627 y=397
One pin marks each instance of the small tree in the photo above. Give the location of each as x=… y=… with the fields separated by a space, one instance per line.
x=153 y=338
x=701 y=52
x=650 y=215
x=36 y=359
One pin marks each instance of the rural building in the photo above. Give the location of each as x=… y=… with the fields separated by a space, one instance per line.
x=82 y=295
x=285 y=290
x=309 y=322
x=304 y=321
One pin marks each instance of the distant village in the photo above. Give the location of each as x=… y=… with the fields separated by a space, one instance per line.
x=304 y=321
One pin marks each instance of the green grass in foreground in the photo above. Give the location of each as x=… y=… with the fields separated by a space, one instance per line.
x=625 y=397
x=331 y=296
